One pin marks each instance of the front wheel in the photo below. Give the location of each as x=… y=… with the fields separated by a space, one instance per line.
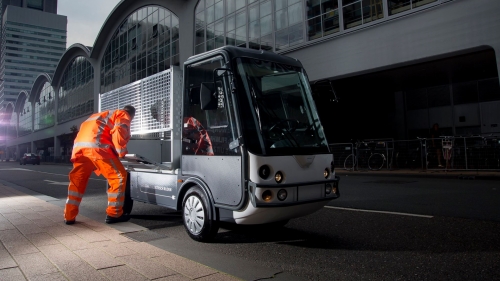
x=196 y=218
x=376 y=161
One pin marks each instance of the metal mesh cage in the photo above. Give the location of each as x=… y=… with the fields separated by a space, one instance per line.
x=151 y=98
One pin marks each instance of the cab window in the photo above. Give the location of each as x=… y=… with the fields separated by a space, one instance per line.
x=207 y=132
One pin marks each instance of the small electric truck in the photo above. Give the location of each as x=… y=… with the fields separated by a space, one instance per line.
x=233 y=137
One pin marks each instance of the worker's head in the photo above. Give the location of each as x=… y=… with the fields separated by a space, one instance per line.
x=130 y=110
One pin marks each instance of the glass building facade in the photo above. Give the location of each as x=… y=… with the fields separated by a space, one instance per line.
x=147 y=42
x=398 y=6
x=45 y=108
x=12 y=122
x=275 y=25
x=25 y=117
x=76 y=94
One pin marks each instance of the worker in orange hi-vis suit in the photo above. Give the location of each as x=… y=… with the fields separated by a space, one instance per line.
x=195 y=138
x=102 y=138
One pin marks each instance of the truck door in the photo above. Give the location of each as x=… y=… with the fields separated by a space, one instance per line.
x=206 y=135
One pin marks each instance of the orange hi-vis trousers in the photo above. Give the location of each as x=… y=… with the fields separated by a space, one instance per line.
x=111 y=169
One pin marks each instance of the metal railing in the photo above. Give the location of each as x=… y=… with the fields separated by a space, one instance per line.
x=447 y=153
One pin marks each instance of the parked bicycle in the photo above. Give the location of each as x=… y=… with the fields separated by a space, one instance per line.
x=364 y=154
x=447 y=147
x=409 y=154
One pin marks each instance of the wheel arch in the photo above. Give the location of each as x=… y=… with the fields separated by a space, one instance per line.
x=190 y=182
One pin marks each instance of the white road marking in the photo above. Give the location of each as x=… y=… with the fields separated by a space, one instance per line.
x=57 y=182
x=21 y=169
x=15 y=169
x=381 y=212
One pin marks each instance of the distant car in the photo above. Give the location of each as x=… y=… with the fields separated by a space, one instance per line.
x=30 y=158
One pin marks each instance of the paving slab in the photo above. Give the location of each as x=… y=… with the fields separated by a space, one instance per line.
x=6 y=260
x=147 y=267
x=185 y=266
x=42 y=239
x=114 y=249
x=122 y=273
x=56 y=276
x=37 y=245
x=35 y=264
x=74 y=242
x=98 y=259
x=12 y=274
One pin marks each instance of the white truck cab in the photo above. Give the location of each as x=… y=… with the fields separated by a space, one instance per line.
x=238 y=140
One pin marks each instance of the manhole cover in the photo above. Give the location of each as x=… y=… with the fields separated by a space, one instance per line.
x=144 y=236
x=390 y=182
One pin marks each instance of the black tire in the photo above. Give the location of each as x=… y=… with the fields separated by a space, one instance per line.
x=196 y=216
x=128 y=203
x=349 y=162
x=376 y=161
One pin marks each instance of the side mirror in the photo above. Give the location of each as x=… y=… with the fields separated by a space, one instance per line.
x=208 y=98
x=323 y=89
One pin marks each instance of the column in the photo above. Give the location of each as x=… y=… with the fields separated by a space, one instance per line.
x=57 y=148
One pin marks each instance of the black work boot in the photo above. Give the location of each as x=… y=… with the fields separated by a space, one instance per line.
x=122 y=218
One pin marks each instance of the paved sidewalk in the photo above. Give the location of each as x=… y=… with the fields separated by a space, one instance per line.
x=37 y=245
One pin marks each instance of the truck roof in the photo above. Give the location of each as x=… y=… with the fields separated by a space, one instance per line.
x=236 y=52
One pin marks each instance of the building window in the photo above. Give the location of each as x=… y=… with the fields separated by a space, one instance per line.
x=25 y=115
x=13 y=122
x=398 y=6
x=45 y=108
x=35 y=4
x=322 y=18
x=76 y=94
x=147 y=42
x=357 y=12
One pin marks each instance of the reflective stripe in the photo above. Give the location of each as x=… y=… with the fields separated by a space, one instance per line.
x=93 y=118
x=115 y=195
x=115 y=204
x=72 y=202
x=119 y=175
x=120 y=150
x=74 y=193
x=90 y=144
x=124 y=126
x=102 y=125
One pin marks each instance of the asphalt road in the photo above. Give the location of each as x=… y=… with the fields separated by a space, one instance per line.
x=382 y=228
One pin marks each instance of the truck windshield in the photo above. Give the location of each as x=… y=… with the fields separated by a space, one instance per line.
x=282 y=108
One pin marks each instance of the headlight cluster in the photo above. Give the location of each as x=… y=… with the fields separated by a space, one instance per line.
x=265 y=172
x=267 y=195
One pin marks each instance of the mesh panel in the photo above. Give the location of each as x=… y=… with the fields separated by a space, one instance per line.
x=151 y=99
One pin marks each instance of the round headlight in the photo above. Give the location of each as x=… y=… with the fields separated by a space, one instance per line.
x=282 y=194
x=278 y=177
x=326 y=173
x=264 y=171
x=267 y=195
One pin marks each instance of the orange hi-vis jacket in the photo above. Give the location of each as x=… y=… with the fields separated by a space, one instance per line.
x=104 y=135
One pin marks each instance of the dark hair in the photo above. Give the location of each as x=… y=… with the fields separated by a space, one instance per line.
x=130 y=109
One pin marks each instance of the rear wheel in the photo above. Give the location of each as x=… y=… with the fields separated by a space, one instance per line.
x=196 y=216
x=349 y=162
x=376 y=161
x=128 y=203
